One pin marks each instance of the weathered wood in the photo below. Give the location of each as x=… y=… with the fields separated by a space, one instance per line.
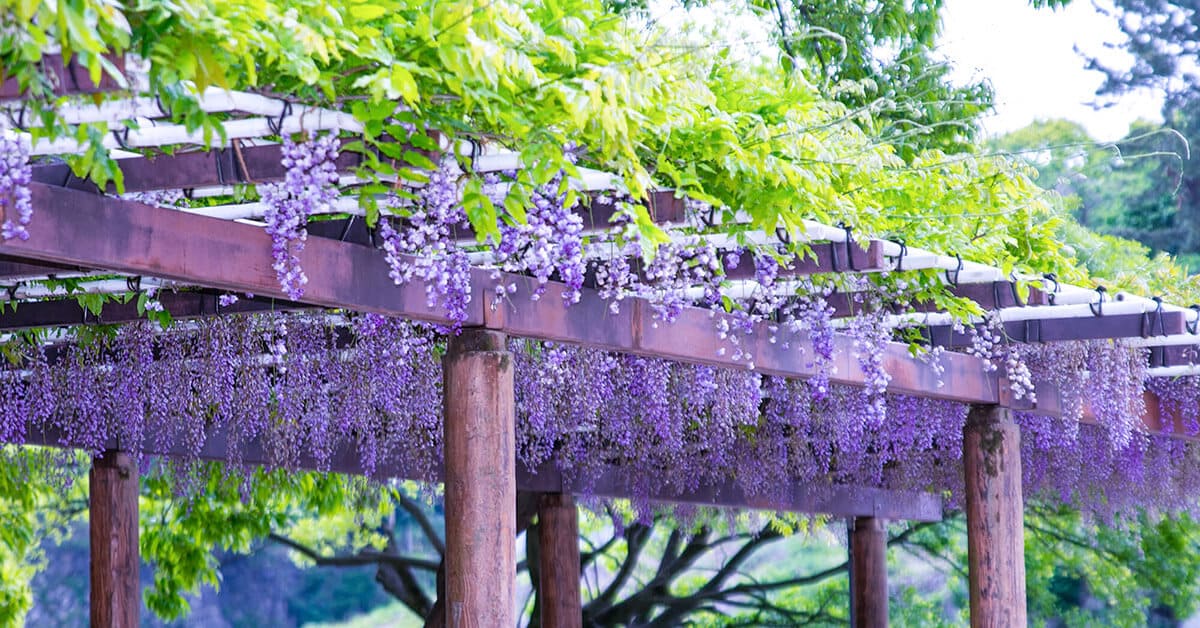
x=116 y=597
x=78 y=228
x=995 y=529
x=558 y=533
x=481 y=488
x=868 y=572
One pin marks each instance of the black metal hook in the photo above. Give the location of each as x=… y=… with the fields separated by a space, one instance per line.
x=134 y=283
x=783 y=235
x=166 y=111
x=1148 y=322
x=1053 y=278
x=122 y=137
x=276 y=124
x=1192 y=325
x=954 y=280
x=900 y=257
x=18 y=122
x=1097 y=308
x=849 y=245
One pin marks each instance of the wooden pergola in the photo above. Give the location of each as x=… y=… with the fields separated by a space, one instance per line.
x=80 y=230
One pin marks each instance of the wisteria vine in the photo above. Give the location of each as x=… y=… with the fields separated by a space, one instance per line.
x=364 y=393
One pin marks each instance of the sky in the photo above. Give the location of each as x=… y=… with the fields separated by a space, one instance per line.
x=1029 y=57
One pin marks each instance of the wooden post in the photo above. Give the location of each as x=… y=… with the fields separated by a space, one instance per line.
x=558 y=532
x=481 y=486
x=868 y=573
x=116 y=594
x=995 y=524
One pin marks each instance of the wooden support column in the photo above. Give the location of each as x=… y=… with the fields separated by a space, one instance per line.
x=558 y=532
x=481 y=488
x=868 y=573
x=116 y=595
x=995 y=518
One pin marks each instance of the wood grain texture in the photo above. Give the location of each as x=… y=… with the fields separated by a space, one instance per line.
x=995 y=518
x=481 y=488
x=558 y=536
x=116 y=595
x=868 y=573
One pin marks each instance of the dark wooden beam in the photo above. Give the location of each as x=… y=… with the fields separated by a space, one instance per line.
x=989 y=296
x=995 y=509
x=65 y=77
x=827 y=257
x=1060 y=329
x=17 y=269
x=77 y=228
x=1175 y=355
x=480 y=474
x=116 y=593
x=558 y=575
x=868 y=572
x=181 y=306
x=834 y=500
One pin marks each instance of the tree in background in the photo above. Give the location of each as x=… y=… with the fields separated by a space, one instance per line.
x=1132 y=188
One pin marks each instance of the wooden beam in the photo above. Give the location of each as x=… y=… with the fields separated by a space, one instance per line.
x=995 y=510
x=868 y=572
x=1060 y=329
x=73 y=227
x=558 y=576
x=181 y=306
x=481 y=488
x=116 y=594
x=65 y=77
x=834 y=500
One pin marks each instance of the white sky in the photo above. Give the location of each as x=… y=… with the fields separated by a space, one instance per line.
x=1029 y=57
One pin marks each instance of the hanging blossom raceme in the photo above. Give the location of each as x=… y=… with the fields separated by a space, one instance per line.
x=309 y=187
x=425 y=249
x=549 y=241
x=16 y=201
x=325 y=392
x=1178 y=397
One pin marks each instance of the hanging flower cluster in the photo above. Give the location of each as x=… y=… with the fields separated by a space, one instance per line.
x=424 y=249
x=16 y=204
x=309 y=187
x=364 y=393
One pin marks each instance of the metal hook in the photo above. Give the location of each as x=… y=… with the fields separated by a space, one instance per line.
x=900 y=257
x=1192 y=325
x=276 y=124
x=166 y=111
x=122 y=137
x=849 y=244
x=19 y=121
x=783 y=235
x=134 y=283
x=1158 y=316
x=1097 y=308
x=1053 y=278
x=954 y=281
